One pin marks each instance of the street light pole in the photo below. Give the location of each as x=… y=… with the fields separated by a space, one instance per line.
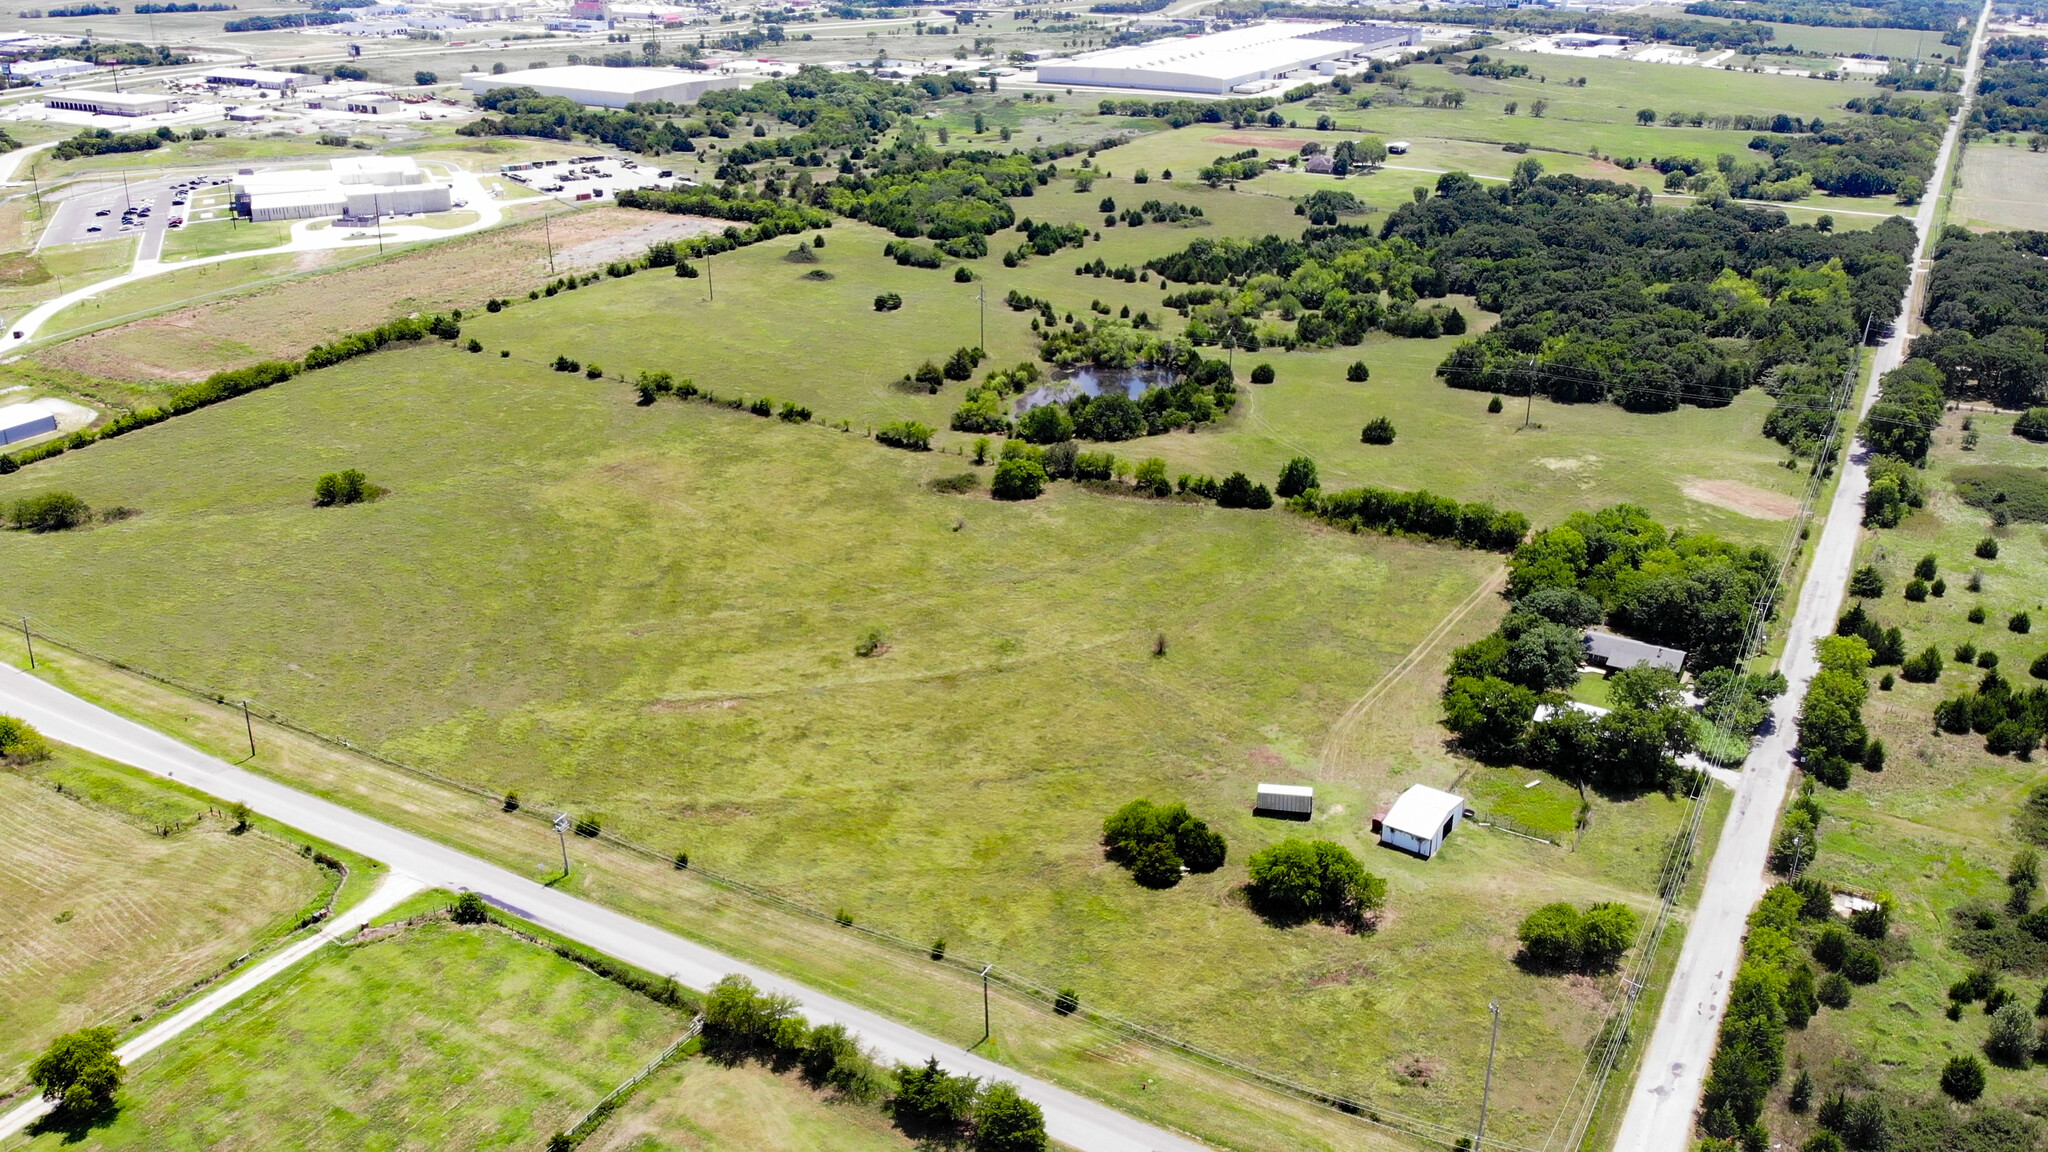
x=1486 y=1094
x=562 y=831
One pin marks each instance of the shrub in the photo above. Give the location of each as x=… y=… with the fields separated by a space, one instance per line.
x=963 y=275
x=872 y=644
x=1977 y=614
x=1379 y=430
x=1238 y=491
x=1916 y=590
x=469 y=909
x=1862 y=964
x=928 y=1100
x=886 y=302
x=49 y=512
x=1924 y=668
x=1263 y=374
x=593 y=372
x=1066 y=1002
x=2021 y=623
x=20 y=743
x=1018 y=478
x=906 y=434
x=1358 y=373
x=1833 y=991
x=589 y=827
x=1830 y=947
x=564 y=364
x=1150 y=479
x=1925 y=569
x=1550 y=937
x=1962 y=1078
x=1296 y=477
x=1987 y=549
x=1867 y=583
x=2011 y=1039
x=348 y=486
x=79 y=1071
x=1314 y=879
x=511 y=803
x=1006 y=1122
x=1493 y=405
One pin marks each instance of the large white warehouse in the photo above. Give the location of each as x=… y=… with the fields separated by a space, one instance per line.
x=353 y=186
x=1222 y=62
x=601 y=87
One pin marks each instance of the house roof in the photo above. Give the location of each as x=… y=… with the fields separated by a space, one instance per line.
x=1421 y=811
x=1621 y=652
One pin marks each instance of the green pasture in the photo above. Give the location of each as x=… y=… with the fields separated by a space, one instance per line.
x=442 y=1037
x=218 y=237
x=649 y=616
x=1934 y=828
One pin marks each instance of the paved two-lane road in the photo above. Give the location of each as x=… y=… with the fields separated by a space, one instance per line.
x=1667 y=1091
x=1069 y=1118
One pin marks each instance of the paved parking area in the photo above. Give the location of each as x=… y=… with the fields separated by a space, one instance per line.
x=111 y=209
x=591 y=178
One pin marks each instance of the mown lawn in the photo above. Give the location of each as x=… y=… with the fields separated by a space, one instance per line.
x=441 y=1038
x=649 y=615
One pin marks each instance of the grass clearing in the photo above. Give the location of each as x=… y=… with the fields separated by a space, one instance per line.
x=1934 y=828
x=440 y=1037
x=1999 y=188
x=701 y=1106
x=605 y=662
x=216 y=237
x=103 y=918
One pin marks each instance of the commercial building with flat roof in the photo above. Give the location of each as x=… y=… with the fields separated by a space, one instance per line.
x=1223 y=62
x=112 y=103
x=602 y=87
x=48 y=69
x=258 y=78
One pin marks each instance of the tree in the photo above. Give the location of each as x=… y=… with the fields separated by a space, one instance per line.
x=1006 y=1122
x=1378 y=430
x=1962 y=1078
x=1605 y=932
x=1235 y=491
x=1046 y=424
x=1646 y=116
x=1018 y=478
x=928 y=1100
x=79 y=1071
x=1150 y=477
x=1296 y=477
x=469 y=909
x=1155 y=865
x=1358 y=373
x=1263 y=374
x=1111 y=418
x=1489 y=715
x=1868 y=582
x=1313 y=879
x=2011 y=1039
x=349 y=486
x=1550 y=937
x=425 y=78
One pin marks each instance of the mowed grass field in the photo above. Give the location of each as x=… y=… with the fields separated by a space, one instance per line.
x=696 y=1105
x=649 y=616
x=101 y=918
x=1999 y=187
x=439 y=1038
x=1934 y=829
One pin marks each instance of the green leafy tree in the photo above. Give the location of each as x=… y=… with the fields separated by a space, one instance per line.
x=1550 y=937
x=1046 y=424
x=1867 y=582
x=1150 y=477
x=79 y=1071
x=1006 y=1122
x=1296 y=477
x=1018 y=478
x=469 y=909
x=1314 y=879
x=49 y=512
x=1378 y=430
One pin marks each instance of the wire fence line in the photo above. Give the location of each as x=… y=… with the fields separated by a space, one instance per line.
x=1041 y=995
x=587 y=1125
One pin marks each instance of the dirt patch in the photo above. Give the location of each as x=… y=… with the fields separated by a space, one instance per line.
x=1349 y=974
x=1267 y=758
x=1743 y=499
x=1249 y=140
x=634 y=241
x=283 y=320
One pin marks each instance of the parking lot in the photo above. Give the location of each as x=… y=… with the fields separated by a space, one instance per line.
x=110 y=209
x=587 y=178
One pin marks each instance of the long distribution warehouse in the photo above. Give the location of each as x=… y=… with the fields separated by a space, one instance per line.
x=1223 y=62
x=601 y=87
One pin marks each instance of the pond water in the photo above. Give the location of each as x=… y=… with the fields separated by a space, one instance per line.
x=1131 y=382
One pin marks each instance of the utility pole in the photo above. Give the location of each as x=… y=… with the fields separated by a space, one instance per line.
x=981 y=297
x=1798 y=850
x=249 y=727
x=1479 y=1141
x=985 y=1030
x=30 y=640
x=1529 y=408
x=708 y=285
x=562 y=831
x=377 y=221
x=547 y=223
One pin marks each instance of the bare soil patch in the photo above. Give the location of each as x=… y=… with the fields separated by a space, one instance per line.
x=283 y=320
x=1741 y=498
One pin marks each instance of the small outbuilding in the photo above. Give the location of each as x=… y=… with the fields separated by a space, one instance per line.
x=1614 y=653
x=1295 y=801
x=1421 y=820
x=20 y=422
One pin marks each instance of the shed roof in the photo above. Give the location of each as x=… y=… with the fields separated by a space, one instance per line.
x=1286 y=790
x=16 y=416
x=1422 y=810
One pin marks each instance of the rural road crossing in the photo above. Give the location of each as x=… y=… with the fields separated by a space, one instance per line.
x=388 y=895
x=1070 y=1118
x=1667 y=1091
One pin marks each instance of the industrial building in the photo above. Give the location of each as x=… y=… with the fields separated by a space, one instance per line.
x=1241 y=60
x=113 y=103
x=257 y=78
x=48 y=69
x=1420 y=821
x=352 y=186
x=601 y=87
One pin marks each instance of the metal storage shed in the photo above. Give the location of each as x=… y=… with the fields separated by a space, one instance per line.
x=21 y=421
x=1421 y=820
x=1287 y=800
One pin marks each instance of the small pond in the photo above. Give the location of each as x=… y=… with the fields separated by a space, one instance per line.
x=1085 y=381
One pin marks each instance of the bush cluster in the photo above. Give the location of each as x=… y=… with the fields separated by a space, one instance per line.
x=1314 y=880
x=20 y=743
x=1418 y=513
x=48 y=512
x=906 y=434
x=349 y=486
x=1560 y=938
x=1154 y=841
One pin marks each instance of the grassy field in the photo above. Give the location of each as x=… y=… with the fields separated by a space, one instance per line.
x=700 y=1106
x=103 y=918
x=215 y=237
x=440 y=1037
x=540 y=617
x=1999 y=188
x=1934 y=828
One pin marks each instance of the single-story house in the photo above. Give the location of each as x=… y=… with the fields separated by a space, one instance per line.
x=1421 y=820
x=1614 y=653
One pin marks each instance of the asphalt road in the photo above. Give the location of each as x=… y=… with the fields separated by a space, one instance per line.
x=1667 y=1090
x=1069 y=1118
